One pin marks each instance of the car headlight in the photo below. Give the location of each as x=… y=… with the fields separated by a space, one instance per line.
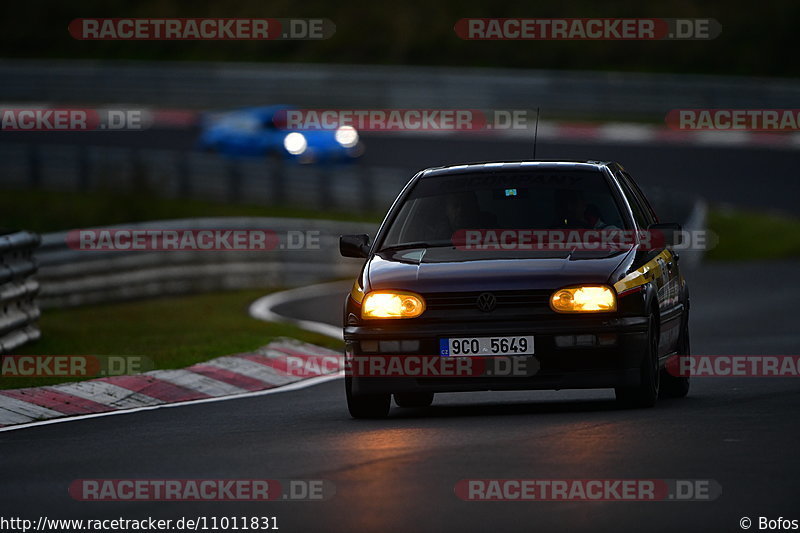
x=584 y=299
x=347 y=136
x=392 y=304
x=295 y=143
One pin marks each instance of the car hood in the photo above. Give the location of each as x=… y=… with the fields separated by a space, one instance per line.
x=450 y=270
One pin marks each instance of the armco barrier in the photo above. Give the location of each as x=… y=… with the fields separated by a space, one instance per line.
x=190 y=174
x=18 y=288
x=71 y=276
x=225 y=85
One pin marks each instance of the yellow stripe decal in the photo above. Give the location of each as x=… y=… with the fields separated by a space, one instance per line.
x=644 y=274
x=357 y=293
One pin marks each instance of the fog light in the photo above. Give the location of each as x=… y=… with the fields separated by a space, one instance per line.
x=607 y=339
x=369 y=346
x=389 y=346
x=570 y=341
x=585 y=340
x=409 y=346
x=565 y=341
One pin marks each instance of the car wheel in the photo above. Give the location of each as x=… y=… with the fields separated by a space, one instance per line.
x=366 y=405
x=413 y=399
x=677 y=386
x=646 y=394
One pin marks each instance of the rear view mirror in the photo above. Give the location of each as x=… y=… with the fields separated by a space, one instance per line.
x=354 y=245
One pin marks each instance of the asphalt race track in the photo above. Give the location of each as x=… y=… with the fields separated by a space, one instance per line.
x=399 y=474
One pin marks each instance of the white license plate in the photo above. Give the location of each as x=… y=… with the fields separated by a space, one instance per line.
x=482 y=346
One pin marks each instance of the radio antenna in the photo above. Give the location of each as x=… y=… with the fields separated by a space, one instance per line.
x=535 y=133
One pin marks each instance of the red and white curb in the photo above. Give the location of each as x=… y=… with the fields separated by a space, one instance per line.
x=235 y=375
x=632 y=133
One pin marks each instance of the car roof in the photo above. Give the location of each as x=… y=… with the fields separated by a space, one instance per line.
x=259 y=111
x=495 y=166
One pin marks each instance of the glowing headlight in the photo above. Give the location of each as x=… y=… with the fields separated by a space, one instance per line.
x=392 y=304
x=584 y=299
x=347 y=136
x=295 y=143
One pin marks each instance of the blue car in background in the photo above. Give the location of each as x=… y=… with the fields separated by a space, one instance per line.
x=256 y=132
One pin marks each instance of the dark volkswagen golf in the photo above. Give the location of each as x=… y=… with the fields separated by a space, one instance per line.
x=514 y=276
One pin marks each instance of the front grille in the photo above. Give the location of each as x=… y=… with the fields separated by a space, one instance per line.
x=531 y=301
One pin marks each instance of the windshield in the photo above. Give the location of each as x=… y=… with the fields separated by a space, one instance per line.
x=240 y=122
x=438 y=207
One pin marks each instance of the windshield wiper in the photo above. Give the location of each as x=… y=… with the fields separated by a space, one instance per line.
x=416 y=244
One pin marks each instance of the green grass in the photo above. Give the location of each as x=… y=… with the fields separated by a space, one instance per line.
x=43 y=211
x=747 y=235
x=172 y=332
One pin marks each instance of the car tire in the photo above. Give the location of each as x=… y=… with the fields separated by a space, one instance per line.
x=367 y=405
x=413 y=399
x=646 y=394
x=677 y=386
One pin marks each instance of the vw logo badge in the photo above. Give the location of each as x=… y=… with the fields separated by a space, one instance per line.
x=487 y=302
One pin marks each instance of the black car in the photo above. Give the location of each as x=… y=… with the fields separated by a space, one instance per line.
x=560 y=271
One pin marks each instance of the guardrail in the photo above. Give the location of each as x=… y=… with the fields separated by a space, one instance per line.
x=190 y=174
x=18 y=288
x=71 y=276
x=208 y=85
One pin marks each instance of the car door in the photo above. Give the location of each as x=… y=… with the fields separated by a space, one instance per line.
x=667 y=279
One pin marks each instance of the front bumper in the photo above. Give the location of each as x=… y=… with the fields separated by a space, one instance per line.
x=551 y=367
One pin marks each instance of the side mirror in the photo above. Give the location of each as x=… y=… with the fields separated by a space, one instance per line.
x=354 y=245
x=664 y=234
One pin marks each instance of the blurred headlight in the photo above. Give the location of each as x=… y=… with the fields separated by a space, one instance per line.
x=392 y=304
x=347 y=136
x=584 y=299
x=295 y=143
